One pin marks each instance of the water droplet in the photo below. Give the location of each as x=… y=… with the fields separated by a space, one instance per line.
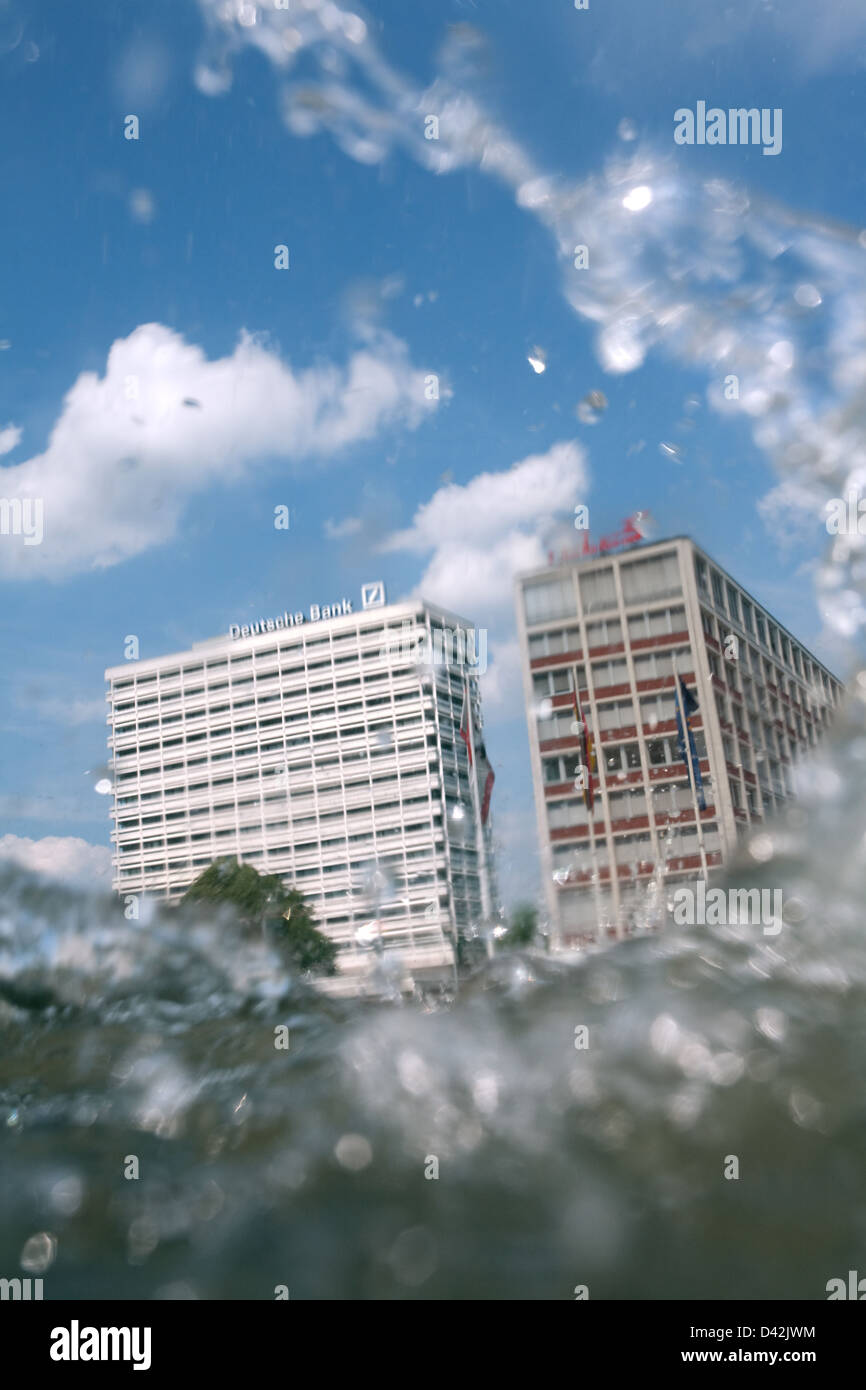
x=761 y=848
x=588 y=410
x=353 y=1152
x=38 y=1253
x=781 y=354
x=808 y=296
x=66 y=1195
x=638 y=199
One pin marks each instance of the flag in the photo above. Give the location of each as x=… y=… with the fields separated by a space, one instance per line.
x=587 y=747
x=687 y=705
x=465 y=716
x=486 y=778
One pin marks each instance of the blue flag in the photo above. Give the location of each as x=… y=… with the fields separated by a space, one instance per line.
x=689 y=706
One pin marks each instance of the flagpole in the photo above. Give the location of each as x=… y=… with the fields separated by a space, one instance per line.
x=687 y=744
x=596 y=876
x=480 y=847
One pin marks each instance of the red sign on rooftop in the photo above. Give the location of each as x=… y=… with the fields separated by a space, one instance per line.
x=628 y=535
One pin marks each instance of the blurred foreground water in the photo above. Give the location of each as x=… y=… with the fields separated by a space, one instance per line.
x=557 y=1166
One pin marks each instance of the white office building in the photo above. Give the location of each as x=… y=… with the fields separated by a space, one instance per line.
x=629 y=624
x=323 y=747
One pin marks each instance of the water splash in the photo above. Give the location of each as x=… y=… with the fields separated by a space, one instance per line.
x=703 y=271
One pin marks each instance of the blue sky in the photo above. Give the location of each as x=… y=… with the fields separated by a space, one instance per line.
x=396 y=271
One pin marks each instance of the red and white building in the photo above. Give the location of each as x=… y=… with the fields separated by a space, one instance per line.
x=629 y=623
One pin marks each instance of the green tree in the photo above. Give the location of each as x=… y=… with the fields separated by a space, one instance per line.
x=523 y=926
x=295 y=933
x=263 y=904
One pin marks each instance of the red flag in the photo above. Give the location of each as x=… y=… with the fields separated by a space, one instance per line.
x=486 y=778
x=464 y=722
x=587 y=747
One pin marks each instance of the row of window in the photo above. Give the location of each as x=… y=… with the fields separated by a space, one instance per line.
x=318 y=645
x=637 y=848
x=298 y=721
x=613 y=671
x=268 y=776
x=621 y=758
x=659 y=622
x=642 y=581
x=264 y=690
x=624 y=804
x=611 y=715
x=743 y=667
x=416 y=827
x=731 y=601
x=279 y=745
x=299 y=803
x=299 y=823
x=296 y=660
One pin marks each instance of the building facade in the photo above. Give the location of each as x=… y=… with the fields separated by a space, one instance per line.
x=326 y=749
x=629 y=624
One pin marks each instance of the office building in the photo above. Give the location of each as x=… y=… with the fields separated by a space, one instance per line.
x=324 y=748
x=628 y=623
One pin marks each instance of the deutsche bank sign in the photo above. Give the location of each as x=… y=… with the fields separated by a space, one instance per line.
x=372 y=596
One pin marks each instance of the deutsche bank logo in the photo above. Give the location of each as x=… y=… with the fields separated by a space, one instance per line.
x=373 y=595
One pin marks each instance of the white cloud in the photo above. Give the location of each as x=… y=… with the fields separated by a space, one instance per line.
x=336 y=530
x=502 y=683
x=10 y=437
x=72 y=711
x=481 y=535
x=60 y=857
x=484 y=533
x=132 y=447
x=793 y=510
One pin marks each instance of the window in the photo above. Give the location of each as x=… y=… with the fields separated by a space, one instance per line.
x=607 y=632
x=651 y=578
x=627 y=804
x=632 y=849
x=609 y=673
x=718 y=592
x=557 y=726
x=656 y=665
x=618 y=714
x=597 y=590
x=554 y=682
x=624 y=758
x=748 y=620
x=561 y=814
x=660 y=623
x=657 y=709
x=562 y=769
x=660 y=752
x=734 y=603
x=555 y=643
x=554 y=598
